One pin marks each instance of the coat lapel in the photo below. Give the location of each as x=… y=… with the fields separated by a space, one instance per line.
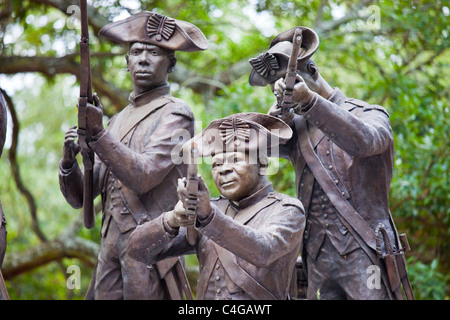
x=244 y=215
x=131 y=116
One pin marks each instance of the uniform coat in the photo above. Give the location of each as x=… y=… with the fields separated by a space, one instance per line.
x=137 y=178
x=245 y=250
x=354 y=142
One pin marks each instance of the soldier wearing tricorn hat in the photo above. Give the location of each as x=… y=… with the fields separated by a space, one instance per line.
x=133 y=169
x=342 y=150
x=249 y=238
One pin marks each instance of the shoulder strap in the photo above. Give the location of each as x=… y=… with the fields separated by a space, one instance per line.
x=139 y=114
x=244 y=215
x=240 y=277
x=345 y=209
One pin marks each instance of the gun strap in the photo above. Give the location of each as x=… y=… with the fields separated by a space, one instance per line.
x=240 y=277
x=184 y=280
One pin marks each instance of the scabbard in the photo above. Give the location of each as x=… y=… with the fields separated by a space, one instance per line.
x=390 y=262
x=395 y=263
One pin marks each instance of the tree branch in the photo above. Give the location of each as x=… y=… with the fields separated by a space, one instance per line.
x=54 y=250
x=324 y=27
x=95 y=19
x=15 y=170
x=51 y=66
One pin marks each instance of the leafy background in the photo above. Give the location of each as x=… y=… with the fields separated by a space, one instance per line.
x=392 y=53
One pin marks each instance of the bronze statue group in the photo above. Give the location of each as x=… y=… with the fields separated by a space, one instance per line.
x=249 y=240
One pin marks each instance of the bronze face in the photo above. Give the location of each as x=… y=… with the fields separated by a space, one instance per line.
x=234 y=176
x=148 y=65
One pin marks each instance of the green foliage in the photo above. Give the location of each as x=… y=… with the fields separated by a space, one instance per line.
x=402 y=64
x=428 y=281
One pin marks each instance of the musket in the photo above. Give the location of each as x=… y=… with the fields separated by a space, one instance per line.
x=395 y=263
x=192 y=189
x=291 y=72
x=84 y=135
x=3 y=291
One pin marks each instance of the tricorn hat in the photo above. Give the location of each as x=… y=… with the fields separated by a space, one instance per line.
x=272 y=65
x=253 y=133
x=153 y=28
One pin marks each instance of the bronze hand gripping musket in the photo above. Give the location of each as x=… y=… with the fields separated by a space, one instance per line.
x=84 y=135
x=192 y=189
x=291 y=72
x=3 y=291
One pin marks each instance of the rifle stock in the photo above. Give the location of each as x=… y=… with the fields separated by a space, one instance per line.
x=3 y=291
x=84 y=136
x=291 y=72
x=192 y=188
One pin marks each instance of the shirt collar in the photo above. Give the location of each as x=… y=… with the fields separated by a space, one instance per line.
x=337 y=97
x=254 y=198
x=146 y=97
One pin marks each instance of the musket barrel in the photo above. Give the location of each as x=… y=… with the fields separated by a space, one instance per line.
x=192 y=189
x=291 y=72
x=84 y=136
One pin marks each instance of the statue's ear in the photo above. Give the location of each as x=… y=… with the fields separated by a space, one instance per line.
x=127 y=57
x=313 y=70
x=262 y=169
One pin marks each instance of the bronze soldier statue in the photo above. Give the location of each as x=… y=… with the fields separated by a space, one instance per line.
x=3 y=124
x=133 y=170
x=3 y=117
x=249 y=237
x=342 y=151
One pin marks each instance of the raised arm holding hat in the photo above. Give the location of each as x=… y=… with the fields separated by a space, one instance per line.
x=249 y=237
x=342 y=150
x=133 y=171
